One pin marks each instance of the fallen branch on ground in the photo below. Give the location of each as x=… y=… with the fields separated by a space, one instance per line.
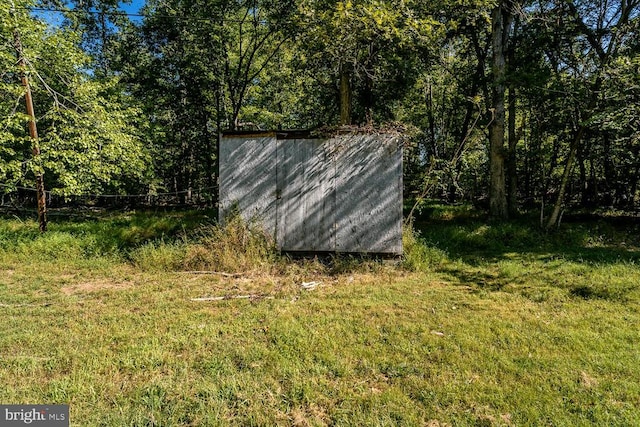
x=44 y=304
x=218 y=273
x=232 y=297
x=309 y=286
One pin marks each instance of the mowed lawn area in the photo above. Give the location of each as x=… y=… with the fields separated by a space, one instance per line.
x=479 y=324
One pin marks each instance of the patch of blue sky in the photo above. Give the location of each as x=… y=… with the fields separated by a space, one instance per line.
x=55 y=18
x=133 y=8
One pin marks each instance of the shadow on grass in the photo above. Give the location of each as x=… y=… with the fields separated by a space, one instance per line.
x=476 y=242
x=100 y=231
x=585 y=258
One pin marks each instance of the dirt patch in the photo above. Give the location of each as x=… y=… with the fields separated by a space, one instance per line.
x=94 y=286
x=587 y=380
x=298 y=418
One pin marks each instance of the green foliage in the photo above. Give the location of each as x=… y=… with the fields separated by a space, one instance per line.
x=197 y=69
x=95 y=147
x=419 y=255
x=492 y=333
x=90 y=135
x=377 y=43
x=137 y=107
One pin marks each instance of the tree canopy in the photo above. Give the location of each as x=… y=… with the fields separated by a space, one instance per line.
x=511 y=105
x=90 y=131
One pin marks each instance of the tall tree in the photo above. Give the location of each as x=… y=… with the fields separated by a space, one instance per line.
x=194 y=65
x=603 y=30
x=87 y=131
x=501 y=20
x=368 y=52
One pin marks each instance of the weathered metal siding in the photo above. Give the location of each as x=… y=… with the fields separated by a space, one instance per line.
x=248 y=179
x=368 y=194
x=306 y=200
x=340 y=194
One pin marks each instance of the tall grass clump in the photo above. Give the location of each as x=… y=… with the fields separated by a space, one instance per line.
x=21 y=240
x=235 y=247
x=418 y=254
x=159 y=256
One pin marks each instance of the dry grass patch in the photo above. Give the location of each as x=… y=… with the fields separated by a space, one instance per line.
x=234 y=247
x=465 y=338
x=587 y=380
x=94 y=286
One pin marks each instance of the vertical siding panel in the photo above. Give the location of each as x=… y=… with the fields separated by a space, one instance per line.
x=248 y=179
x=368 y=194
x=305 y=185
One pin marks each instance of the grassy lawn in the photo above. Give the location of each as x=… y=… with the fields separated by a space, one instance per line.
x=479 y=325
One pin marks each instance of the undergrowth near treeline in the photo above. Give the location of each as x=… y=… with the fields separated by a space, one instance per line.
x=477 y=324
x=162 y=242
x=596 y=259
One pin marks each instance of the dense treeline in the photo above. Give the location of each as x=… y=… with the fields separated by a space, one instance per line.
x=510 y=104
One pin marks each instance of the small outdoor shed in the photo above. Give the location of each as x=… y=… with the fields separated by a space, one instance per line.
x=340 y=193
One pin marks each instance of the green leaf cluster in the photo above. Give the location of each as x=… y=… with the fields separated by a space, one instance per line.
x=89 y=130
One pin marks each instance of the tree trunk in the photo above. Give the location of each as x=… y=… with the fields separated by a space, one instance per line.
x=498 y=208
x=573 y=150
x=431 y=118
x=634 y=186
x=610 y=178
x=511 y=159
x=512 y=164
x=33 y=133
x=345 y=96
x=219 y=113
x=584 y=182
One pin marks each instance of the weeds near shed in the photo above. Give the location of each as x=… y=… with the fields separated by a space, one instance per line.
x=499 y=325
x=159 y=256
x=235 y=247
x=418 y=255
